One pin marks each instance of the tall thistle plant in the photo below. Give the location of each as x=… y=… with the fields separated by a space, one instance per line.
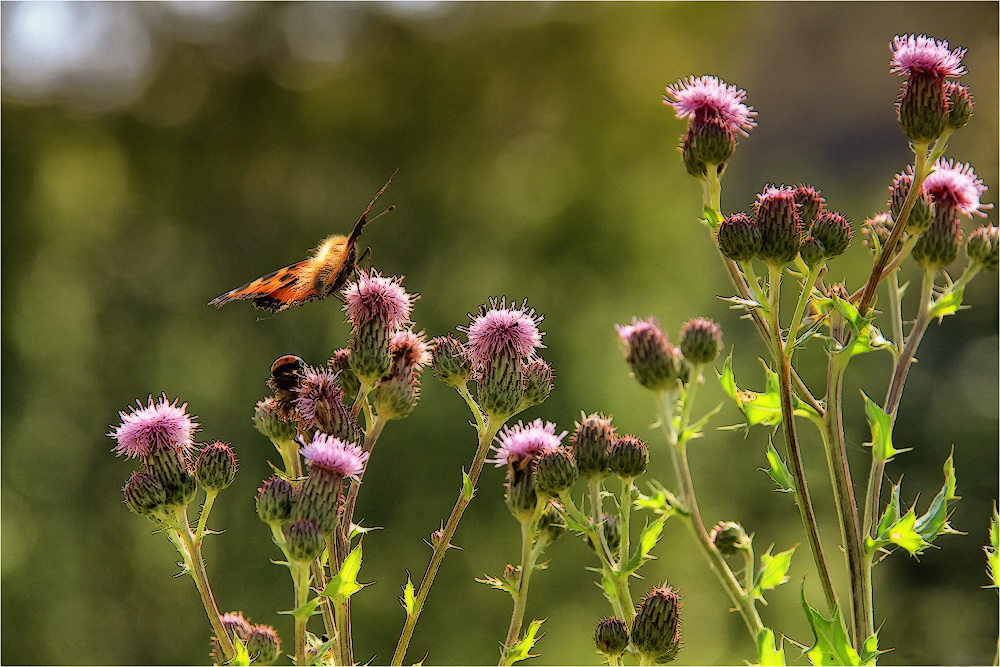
x=590 y=480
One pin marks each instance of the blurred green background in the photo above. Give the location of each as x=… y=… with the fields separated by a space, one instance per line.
x=158 y=154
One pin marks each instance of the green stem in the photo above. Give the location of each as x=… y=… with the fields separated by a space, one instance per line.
x=800 y=309
x=441 y=546
x=300 y=574
x=528 y=531
x=597 y=519
x=922 y=164
x=802 y=497
x=191 y=552
x=206 y=509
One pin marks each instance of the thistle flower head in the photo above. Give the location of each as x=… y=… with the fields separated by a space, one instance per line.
x=710 y=97
x=738 y=237
x=959 y=105
x=877 y=229
x=216 y=466
x=923 y=208
x=656 y=630
x=810 y=202
x=923 y=55
x=611 y=636
x=318 y=391
x=834 y=231
x=701 y=340
x=983 y=247
x=777 y=213
x=729 y=538
x=343 y=458
x=144 y=494
x=410 y=350
x=592 y=440
x=450 y=360
x=275 y=499
x=628 y=457
x=555 y=471
x=268 y=419
x=263 y=645
x=374 y=298
x=956 y=186
x=499 y=329
x=655 y=363
x=522 y=442
x=160 y=425
x=939 y=244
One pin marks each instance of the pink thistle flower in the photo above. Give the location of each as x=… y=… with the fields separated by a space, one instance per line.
x=711 y=97
x=317 y=390
x=924 y=55
x=377 y=298
x=163 y=425
x=410 y=349
x=519 y=442
x=499 y=330
x=957 y=186
x=338 y=456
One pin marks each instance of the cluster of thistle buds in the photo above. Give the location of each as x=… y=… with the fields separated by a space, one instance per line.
x=161 y=436
x=655 y=634
x=659 y=365
x=540 y=468
x=499 y=356
x=261 y=641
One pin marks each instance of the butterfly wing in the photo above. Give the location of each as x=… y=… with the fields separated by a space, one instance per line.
x=276 y=291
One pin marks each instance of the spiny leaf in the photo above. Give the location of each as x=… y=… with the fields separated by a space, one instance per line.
x=647 y=540
x=310 y=608
x=880 y=424
x=773 y=571
x=408 y=600
x=993 y=550
x=949 y=303
x=904 y=534
x=831 y=645
x=694 y=430
x=497 y=583
x=468 y=490
x=934 y=521
x=521 y=650
x=345 y=583
x=778 y=471
x=769 y=654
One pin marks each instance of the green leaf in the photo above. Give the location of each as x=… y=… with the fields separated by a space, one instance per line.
x=773 y=571
x=993 y=550
x=408 y=600
x=948 y=303
x=468 y=490
x=658 y=500
x=934 y=521
x=831 y=645
x=870 y=651
x=307 y=610
x=880 y=424
x=242 y=657
x=778 y=471
x=522 y=650
x=647 y=540
x=498 y=584
x=712 y=217
x=889 y=518
x=904 y=534
x=345 y=583
x=761 y=407
x=864 y=336
x=694 y=430
x=768 y=653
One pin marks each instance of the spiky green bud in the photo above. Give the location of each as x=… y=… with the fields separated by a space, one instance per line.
x=611 y=637
x=812 y=251
x=810 y=202
x=263 y=645
x=144 y=494
x=738 y=237
x=173 y=471
x=275 y=499
x=923 y=208
x=729 y=538
x=656 y=630
x=834 y=231
x=537 y=378
x=555 y=471
x=701 y=340
x=216 y=466
x=522 y=495
x=551 y=525
x=304 y=540
x=922 y=108
x=268 y=419
x=983 y=247
x=450 y=361
x=776 y=213
x=591 y=444
x=959 y=105
x=938 y=246
x=629 y=457
x=499 y=390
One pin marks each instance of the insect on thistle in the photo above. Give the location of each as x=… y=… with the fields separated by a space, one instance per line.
x=323 y=273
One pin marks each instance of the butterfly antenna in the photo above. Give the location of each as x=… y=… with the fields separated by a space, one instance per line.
x=364 y=219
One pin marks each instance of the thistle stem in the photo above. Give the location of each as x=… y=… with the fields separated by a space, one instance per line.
x=802 y=497
x=441 y=546
x=206 y=509
x=528 y=533
x=300 y=574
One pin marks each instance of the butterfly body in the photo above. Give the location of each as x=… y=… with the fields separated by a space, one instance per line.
x=323 y=273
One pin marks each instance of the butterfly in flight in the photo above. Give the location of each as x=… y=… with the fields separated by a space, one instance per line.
x=323 y=273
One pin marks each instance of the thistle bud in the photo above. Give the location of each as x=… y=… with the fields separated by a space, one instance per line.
x=810 y=203
x=701 y=340
x=729 y=538
x=370 y=356
x=656 y=630
x=983 y=248
x=235 y=625
x=629 y=457
x=922 y=212
x=591 y=444
x=959 y=105
x=263 y=645
x=738 y=237
x=340 y=364
x=537 y=378
x=555 y=471
x=655 y=363
x=938 y=246
x=611 y=637
x=144 y=494
x=172 y=470
x=709 y=142
x=216 y=466
x=449 y=361
x=922 y=108
x=304 y=540
x=268 y=420
x=776 y=213
x=834 y=231
x=521 y=495
x=274 y=501
x=550 y=525
x=812 y=251
x=877 y=229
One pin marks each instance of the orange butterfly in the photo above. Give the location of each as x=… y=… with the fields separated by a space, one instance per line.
x=326 y=271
